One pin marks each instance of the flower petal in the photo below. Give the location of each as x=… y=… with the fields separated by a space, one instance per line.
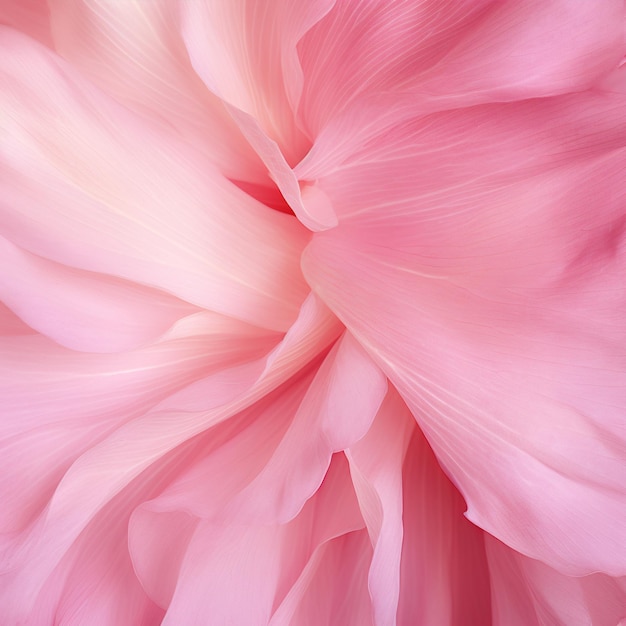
x=56 y=403
x=376 y=468
x=273 y=555
x=431 y=56
x=245 y=52
x=122 y=454
x=31 y=17
x=491 y=297
x=444 y=572
x=105 y=198
x=134 y=52
x=526 y=591
x=82 y=310
x=335 y=412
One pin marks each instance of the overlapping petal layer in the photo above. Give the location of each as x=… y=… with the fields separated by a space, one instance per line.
x=189 y=435
x=492 y=299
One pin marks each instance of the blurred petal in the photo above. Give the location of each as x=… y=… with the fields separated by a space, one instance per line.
x=509 y=349
x=104 y=199
x=527 y=592
x=31 y=17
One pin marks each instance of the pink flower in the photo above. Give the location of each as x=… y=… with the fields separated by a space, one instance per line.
x=290 y=286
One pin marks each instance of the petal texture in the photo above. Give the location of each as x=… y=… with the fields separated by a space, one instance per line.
x=494 y=304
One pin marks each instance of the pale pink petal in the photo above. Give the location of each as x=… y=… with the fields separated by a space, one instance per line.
x=262 y=108
x=95 y=582
x=107 y=201
x=494 y=305
x=527 y=592
x=336 y=411
x=376 y=468
x=336 y=592
x=245 y=52
x=134 y=52
x=273 y=556
x=110 y=464
x=82 y=310
x=57 y=404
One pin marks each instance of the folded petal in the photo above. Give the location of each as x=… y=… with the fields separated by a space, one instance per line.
x=376 y=467
x=83 y=310
x=95 y=582
x=114 y=194
x=333 y=589
x=336 y=411
x=490 y=292
x=436 y=56
x=56 y=403
x=528 y=592
x=384 y=46
x=245 y=52
x=245 y=570
x=118 y=456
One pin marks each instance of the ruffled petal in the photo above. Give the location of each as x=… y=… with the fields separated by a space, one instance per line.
x=490 y=290
x=115 y=195
x=245 y=52
x=57 y=404
x=440 y=55
x=336 y=411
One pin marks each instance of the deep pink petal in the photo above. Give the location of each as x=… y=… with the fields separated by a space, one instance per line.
x=444 y=574
x=31 y=17
x=446 y=55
